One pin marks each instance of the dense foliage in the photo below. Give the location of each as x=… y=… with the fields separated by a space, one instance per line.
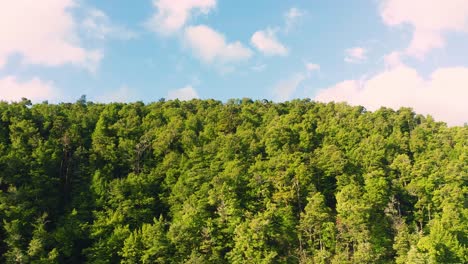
x=238 y=182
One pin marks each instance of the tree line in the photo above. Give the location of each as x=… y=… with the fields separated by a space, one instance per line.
x=243 y=181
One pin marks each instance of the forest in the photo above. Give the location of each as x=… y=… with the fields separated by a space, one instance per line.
x=241 y=181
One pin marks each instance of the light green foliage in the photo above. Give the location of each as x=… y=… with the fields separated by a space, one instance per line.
x=147 y=245
x=317 y=230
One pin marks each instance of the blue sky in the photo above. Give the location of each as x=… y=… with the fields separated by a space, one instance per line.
x=370 y=52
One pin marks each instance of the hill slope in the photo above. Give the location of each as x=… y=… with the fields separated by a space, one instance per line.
x=240 y=182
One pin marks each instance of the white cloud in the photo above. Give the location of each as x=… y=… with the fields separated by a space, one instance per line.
x=211 y=46
x=393 y=59
x=443 y=95
x=92 y=61
x=259 y=67
x=266 y=42
x=172 y=15
x=430 y=19
x=98 y=25
x=184 y=94
x=286 y=88
x=43 y=32
x=356 y=55
x=291 y=17
x=35 y=89
x=310 y=67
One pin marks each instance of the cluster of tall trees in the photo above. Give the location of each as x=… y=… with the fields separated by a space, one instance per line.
x=244 y=181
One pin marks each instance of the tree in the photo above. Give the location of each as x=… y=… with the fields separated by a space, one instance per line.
x=317 y=230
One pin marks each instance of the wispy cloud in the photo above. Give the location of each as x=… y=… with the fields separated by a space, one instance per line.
x=286 y=88
x=356 y=55
x=259 y=67
x=291 y=17
x=171 y=16
x=98 y=25
x=312 y=67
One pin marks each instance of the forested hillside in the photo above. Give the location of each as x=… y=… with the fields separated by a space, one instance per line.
x=238 y=182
